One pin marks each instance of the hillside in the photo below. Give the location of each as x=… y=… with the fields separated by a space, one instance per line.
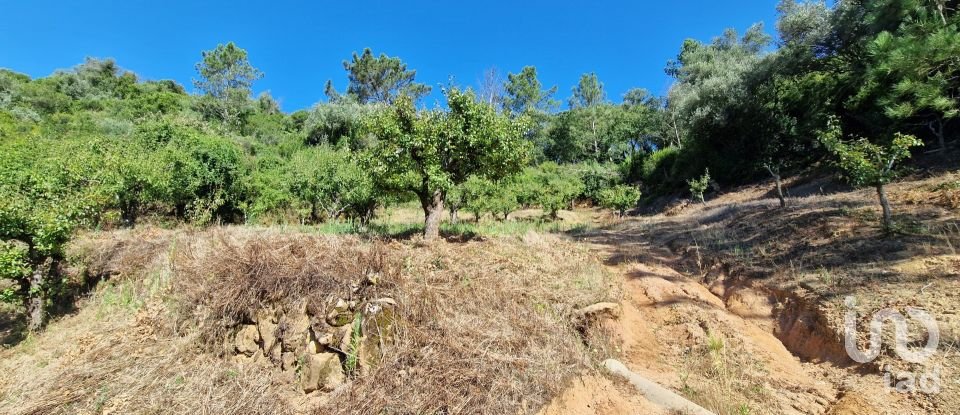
x=736 y=305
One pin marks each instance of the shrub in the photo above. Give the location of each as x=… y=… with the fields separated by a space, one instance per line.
x=556 y=189
x=330 y=185
x=597 y=177
x=619 y=198
x=698 y=186
x=658 y=166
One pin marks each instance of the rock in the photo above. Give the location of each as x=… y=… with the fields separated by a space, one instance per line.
x=369 y=356
x=325 y=339
x=297 y=335
x=313 y=347
x=379 y=332
x=343 y=338
x=321 y=372
x=600 y=310
x=288 y=361
x=373 y=278
x=340 y=315
x=247 y=340
x=267 y=326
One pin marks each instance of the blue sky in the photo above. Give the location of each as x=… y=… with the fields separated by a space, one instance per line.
x=299 y=45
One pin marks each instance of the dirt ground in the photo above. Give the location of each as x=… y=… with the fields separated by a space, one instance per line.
x=739 y=305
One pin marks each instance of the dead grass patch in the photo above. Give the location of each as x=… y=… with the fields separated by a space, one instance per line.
x=482 y=327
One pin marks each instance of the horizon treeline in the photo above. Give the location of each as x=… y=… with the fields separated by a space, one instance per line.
x=94 y=146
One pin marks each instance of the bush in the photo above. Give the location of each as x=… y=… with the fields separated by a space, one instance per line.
x=620 y=198
x=330 y=185
x=556 y=189
x=658 y=166
x=597 y=177
x=698 y=186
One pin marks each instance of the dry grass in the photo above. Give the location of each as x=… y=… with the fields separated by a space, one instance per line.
x=483 y=327
x=119 y=354
x=225 y=276
x=487 y=329
x=722 y=376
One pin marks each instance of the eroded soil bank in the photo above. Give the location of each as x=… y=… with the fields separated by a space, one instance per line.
x=739 y=305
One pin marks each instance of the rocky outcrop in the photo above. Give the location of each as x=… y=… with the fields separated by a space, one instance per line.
x=321 y=371
x=319 y=349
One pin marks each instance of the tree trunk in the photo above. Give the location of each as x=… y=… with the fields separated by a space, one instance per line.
x=783 y=201
x=776 y=178
x=36 y=303
x=454 y=215
x=938 y=131
x=676 y=130
x=433 y=211
x=885 y=204
x=128 y=213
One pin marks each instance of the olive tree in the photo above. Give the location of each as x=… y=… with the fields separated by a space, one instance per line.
x=427 y=152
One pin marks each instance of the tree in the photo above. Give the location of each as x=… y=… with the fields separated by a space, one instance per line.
x=709 y=99
x=379 y=79
x=863 y=163
x=641 y=96
x=698 y=186
x=805 y=24
x=920 y=61
x=227 y=77
x=491 y=89
x=619 y=198
x=331 y=185
x=556 y=189
x=588 y=92
x=428 y=152
x=525 y=94
x=338 y=123
x=48 y=189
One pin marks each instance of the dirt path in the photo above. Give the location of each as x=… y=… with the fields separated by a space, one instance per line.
x=715 y=346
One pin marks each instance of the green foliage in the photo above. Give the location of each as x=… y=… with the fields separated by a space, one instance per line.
x=338 y=124
x=331 y=186
x=588 y=92
x=14 y=266
x=379 y=79
x=698 y=186
x=226 y=79
x=914 y=71
x=656 y=170
x=226 y=70
x=619 y=198
x=597 y=177
x=482 y=196
x=441 y=149
x=429 y=152
x=525 y=93
x=556 y=188
x=863 y=163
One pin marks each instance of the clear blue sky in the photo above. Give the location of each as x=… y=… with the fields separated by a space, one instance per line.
x=299 y=45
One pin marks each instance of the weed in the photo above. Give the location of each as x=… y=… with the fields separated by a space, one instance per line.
x=353 y=352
